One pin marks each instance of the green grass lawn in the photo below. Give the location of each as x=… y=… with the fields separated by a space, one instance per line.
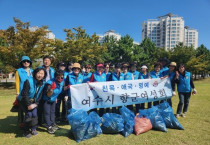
x=196 y=124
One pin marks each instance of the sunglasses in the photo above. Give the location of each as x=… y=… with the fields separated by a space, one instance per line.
x=26 y=61
x=59 y=77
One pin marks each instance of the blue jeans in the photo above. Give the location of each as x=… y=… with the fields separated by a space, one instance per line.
x=49 y=113
x=184 y=99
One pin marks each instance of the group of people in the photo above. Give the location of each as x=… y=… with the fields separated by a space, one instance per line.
x=41 y=92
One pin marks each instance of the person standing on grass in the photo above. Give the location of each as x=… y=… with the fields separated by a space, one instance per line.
x=52 y=89
x=155 y=74
x=87 y=74
x=98 y=76
x=30 y=97
x=127 y=76
x=107 y=70
x=72 y=79
x=143 y=75
x=50 y=75
x=185 y=87
x=61 y=66
x=22 y=74
x=171 y=72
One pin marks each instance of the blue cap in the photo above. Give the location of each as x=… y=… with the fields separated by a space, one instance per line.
x=25 y=58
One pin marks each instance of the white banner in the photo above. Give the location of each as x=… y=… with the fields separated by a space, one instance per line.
x=118 y=93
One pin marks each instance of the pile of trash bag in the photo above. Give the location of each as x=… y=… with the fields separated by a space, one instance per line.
x=142 y=124
x=128 y=117
x=168 y=116
x=112 y=123
x=155 y=118
x=84 y=126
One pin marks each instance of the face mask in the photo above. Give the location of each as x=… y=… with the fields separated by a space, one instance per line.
x=60 y=80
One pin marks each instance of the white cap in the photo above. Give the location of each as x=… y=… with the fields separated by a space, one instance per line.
x=144 y=66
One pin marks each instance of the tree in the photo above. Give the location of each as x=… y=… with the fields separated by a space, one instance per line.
x=20 y=40
x=80 y=47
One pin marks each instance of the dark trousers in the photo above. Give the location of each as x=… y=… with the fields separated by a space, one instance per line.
x=40 y=112
x=49 y=113
x=169 y=102
x=155 y=103
x=184 y=99
x=58 y=105
x=149 y=104
x=30 y=120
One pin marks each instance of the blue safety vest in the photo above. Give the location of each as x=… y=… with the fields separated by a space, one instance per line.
x=98 y=77
x=153 y=74
x=108 y=75
x=169 y=74
x=56 y=91
x=33 y=88
x=87 y=77
x=144 y=76
x=23 y=76
x=135 y=75
x=52 y=71
x=184 y=83
x=164 y=69
x=128 y=76
x=115 y=77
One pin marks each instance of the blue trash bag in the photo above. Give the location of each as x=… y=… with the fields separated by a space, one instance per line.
x=155 y=118
x=94 y=128
x=112 y=123
x=84 y=126
x=128 y=117
x=168 y=116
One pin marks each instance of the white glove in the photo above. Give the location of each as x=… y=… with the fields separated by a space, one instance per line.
x=66 y=98
x=194 y=91
x=174 y=93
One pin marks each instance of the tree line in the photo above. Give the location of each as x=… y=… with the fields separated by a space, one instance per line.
x=18 y=40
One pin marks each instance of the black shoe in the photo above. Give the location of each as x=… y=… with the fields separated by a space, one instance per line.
x=55 y=127
x=50 y=130
x=27 y=134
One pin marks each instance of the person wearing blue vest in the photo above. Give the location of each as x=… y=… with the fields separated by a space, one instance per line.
x=50 y=75
x=127 y=76
x=144 y=74
x=87 y=74
x=61 y=116
x=106 y=70
x=154 y=75
x=134 y=71
x=171 y=72
x=22 y=74
x=98 y=76
x=164 y=62
x=185 y=86
x=29 y=100
x=52 y=89
x=72 y=79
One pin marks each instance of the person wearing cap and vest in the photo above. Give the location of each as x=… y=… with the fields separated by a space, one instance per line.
x=185 y=87
x=127 y=76
x=61 y=66
x=156 y=74
x=51 y=91
x=106 y=71
x=134 y=71
x=87 y=74
x=98 y=76
x=164 y=62
x=50 y=75
x=22 y=74
x=72 y=79
x=30 y=97
x=171 y=72
x=143 y=75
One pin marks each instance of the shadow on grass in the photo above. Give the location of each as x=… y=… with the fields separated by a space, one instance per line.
x=8 y=85
x=10 y=125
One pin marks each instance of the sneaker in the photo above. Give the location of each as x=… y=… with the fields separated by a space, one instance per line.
x=27 y=134
x=34 y=132
x=50 y=130
x=55 y=127
x=177 y=115
x=184 y=115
